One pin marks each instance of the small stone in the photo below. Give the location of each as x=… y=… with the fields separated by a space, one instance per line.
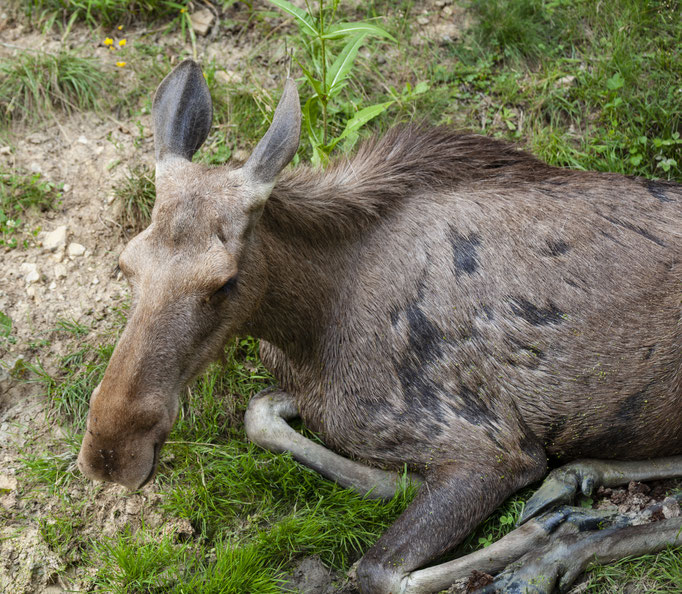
x=423 y=20
x=52 y=286
x=66 y=188
x=31 y=291
x=75 y=249
x=671 y=508
x=5 y=150
x=202 y=21
x=565 y=81
x=60 y=271
x=55 y=239
x=7 y=483
x=31 y=273
x=35 y=167
x=82 y=139
x=95 y=281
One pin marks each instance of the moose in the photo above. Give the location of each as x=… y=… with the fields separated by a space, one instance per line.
x=442 y=302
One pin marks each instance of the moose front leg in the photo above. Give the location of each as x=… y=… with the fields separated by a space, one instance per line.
x=266 y=425
x=450 y=503
x=564 y=483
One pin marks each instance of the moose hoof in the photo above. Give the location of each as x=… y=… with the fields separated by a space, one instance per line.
x=561 y=487
x=541 y=572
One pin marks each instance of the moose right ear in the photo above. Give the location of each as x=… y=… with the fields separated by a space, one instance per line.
x=182 y=112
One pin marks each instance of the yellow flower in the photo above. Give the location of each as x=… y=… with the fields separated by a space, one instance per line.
x=108 y=41
x=120 y=64
x=183 y=10
x=122 y=42
x=120 y=27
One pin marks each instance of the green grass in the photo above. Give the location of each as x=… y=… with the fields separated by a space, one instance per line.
x=23 y=194
x=107 y=13
x=136 y=192
x=34 y=84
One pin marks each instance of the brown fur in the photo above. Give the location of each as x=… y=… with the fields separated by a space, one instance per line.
x=440 y=300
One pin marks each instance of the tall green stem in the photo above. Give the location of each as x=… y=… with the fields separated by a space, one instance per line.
x=323 y=99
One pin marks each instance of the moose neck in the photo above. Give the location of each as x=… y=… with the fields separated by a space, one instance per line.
x=303 y=277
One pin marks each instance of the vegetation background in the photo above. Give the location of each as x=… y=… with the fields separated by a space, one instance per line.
x=581 y=84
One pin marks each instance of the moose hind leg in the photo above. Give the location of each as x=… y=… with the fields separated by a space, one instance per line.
x=557 y=564
x=564 y=483
x=450 y=503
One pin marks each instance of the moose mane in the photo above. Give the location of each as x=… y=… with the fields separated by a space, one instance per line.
x=353 y=192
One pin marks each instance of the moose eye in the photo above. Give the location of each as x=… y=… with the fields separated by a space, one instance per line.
x=228 y=287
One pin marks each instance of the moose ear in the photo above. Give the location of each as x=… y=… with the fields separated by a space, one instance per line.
x=182 y=111
x=280 y=143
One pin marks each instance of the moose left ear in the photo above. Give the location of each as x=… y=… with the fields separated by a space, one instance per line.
x=280 y=143
x=182 y=112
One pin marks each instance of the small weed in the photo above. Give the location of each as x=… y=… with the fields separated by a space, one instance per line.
x=69 y=389
x=33 y=84
x=73 y=327
x=137 y=194
x=327 y=74
x=20 y=194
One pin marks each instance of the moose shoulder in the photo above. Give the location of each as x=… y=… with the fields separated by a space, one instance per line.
x=440 y=300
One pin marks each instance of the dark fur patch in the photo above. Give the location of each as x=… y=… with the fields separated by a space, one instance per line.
x=424 y=336
x=639 y=230
x=422 y=395
x=464 y=251
x=535 y=315
x=556 y=247
x=656 y=189
x=472 y=408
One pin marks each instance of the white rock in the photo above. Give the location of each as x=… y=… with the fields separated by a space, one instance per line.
x=423 y=20
x=60 y=271
x=55 y=239
x=66 y=188
x=82 y=139
x=31 y=292
x=53 y=286
x=30 y=272
x=202 y=21
x=75 y=249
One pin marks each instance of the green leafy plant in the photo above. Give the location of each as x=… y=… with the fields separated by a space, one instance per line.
x=327 y=72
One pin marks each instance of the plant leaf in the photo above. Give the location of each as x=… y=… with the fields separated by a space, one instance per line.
x=344 y=62
x=346 y=29
x=359 y=120
x=303 y=18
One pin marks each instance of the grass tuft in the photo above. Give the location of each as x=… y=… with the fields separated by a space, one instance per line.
x=33 y=85
x=137 y=194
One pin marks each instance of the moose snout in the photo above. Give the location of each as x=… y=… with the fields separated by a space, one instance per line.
x=131 y=465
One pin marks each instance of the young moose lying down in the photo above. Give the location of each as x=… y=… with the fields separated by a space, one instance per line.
x=441 y=301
